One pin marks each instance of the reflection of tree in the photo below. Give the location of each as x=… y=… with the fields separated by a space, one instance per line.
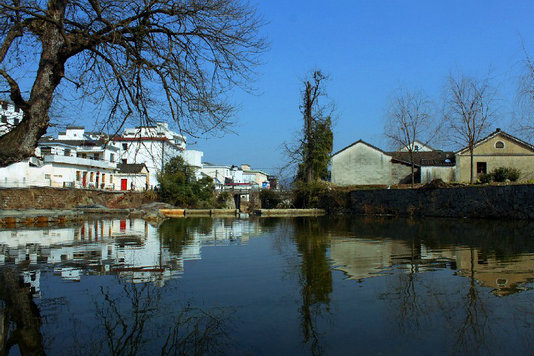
x=471 y=333
x=20 y=318
x=315 y=277
x=177 y=232
x=136 y=317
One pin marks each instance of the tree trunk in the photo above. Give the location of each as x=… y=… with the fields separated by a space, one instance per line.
x=309 y=133
x=472 y=163
x=20 y=143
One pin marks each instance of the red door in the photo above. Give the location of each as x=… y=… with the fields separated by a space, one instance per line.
x=124 y=184
x=84 y=179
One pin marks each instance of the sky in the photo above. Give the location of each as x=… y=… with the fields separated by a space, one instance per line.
x=369 y=49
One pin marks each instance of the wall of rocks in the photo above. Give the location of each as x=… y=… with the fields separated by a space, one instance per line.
x=503 y=202
x=59 y=198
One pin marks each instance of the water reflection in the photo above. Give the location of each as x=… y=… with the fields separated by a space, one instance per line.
x=328 y=285
x=132 y=249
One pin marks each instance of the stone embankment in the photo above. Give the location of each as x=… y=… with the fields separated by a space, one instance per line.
x=64 y=198
x=499 y=202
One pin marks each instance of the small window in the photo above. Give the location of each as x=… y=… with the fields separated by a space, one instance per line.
x=16 y=121
x=111 y=157
x=499 y=144
x=416 y=148
x=66 y=152
x=482 y=168
x=124 y=161
x=47 y=176
x=3 y=119
x=4 y=106
x=92 y=177
x=78 y=175
x=124 y=146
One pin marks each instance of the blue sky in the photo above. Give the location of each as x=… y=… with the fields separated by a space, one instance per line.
x=369 y=49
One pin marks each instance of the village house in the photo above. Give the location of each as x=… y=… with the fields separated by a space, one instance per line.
x=364 y=164
x=154 y=146
x=499 y=149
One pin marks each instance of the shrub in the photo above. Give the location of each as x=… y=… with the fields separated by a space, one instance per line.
x=269 y=199
x=179 y=187
x=485 y=178
x=514 y=174
x=501 y=174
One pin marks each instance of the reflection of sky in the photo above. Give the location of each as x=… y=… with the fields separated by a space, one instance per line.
x=364 y=258
x=131 y=248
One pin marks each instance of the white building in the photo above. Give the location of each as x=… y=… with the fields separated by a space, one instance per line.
x=10 y=116
x=83 y=159
x=154 y=146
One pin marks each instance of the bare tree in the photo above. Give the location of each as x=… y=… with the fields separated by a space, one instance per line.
x=409 y=120
x=142 y=59
x=469 y=111
x=314 y=145
x=526 y=96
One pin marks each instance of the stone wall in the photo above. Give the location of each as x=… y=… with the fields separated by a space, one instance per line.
x=62 y=198
x=504 y=202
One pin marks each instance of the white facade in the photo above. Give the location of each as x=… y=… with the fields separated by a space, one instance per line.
x=154 y=146
x=10 y=116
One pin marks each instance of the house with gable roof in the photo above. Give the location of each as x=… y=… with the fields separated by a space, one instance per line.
x=498 y=149
x=361 y=163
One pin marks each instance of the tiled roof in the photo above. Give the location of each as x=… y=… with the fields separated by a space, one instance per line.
x=430 y=158
x=132 y=168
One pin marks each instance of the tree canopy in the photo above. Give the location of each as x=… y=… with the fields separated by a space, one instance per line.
x=179 y=186
x=136 y=59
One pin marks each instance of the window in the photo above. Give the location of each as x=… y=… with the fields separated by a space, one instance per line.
x=111 y=179
x=46 y=151
x=4 y=106
x=78 y=175
x=124 y=146
x=482 y=168
x=124 y=161
x=92 y=176
x=3 y=118
x=416 y=148
x=16 y=121
x=67 y=152
x=499 y=144
x=111 y=157
x=47 y=176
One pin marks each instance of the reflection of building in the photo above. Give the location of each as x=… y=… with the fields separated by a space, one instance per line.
x=361 y=258
x=130 y=248
x=364 y=258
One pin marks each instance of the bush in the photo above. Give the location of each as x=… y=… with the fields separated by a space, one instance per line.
x=485 y=178
x=269 y=199
x=179 y=187
x=309 y=195
x=500 y=174
x=514 y=174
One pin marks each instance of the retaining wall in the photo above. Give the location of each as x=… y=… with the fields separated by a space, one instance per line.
x=503 y=202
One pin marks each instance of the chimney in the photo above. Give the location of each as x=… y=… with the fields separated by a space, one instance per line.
x=498 y=129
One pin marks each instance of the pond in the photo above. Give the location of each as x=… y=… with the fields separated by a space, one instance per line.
x=346 y=285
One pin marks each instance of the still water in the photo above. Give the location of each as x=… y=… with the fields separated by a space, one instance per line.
x=326 y=285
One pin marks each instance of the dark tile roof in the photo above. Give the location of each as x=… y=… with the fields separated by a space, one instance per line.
x=431 y=158
x=132 y=168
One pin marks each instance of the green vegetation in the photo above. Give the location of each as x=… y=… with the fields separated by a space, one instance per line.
x=179 y=187
x=270 y=199
x=500 y=174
